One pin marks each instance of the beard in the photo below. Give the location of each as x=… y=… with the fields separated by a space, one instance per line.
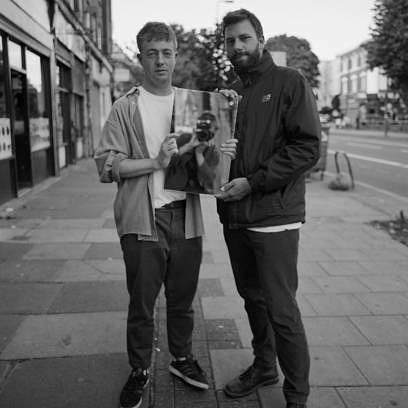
x=245 y=61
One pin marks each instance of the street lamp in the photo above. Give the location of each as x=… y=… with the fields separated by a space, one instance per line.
x=217 y=6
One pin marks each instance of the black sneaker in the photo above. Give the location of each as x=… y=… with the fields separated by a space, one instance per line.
x=190 y=372
x=251 y=379
x=132 y=392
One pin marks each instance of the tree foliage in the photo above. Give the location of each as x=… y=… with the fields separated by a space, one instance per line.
x=298 y=55
x=201 y=63
x=388 y=46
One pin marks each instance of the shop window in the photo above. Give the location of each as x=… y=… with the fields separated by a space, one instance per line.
x=37 y=104
x=15 y=54
x=5 y=134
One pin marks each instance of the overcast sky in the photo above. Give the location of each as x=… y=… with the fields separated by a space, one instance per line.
x=331 y=26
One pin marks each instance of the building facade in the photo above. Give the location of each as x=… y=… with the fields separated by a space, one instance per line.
x=364 y=94
x=127 y=72
x=55 y=87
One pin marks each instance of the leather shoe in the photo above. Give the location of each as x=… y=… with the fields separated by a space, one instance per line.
x=251 y=379
x=295 y=405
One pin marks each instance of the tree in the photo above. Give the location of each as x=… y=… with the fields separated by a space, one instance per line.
x=298 y=54
x=388 y=47
x=201 y=63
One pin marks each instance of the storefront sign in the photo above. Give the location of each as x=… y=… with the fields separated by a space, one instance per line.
x=39 y=133
x=5 y=139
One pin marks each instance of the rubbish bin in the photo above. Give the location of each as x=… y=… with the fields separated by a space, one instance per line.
x=324 y=141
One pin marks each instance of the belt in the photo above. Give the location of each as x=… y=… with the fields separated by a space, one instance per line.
x=173 y=204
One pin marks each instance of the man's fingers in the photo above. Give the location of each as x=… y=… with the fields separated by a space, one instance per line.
x=227 y=186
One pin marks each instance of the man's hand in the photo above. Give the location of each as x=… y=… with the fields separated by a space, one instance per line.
x=235 y=190
x=230 y=148
x=167 y=149
x=232 y=96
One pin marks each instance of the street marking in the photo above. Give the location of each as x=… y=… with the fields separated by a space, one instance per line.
x=366 y=146
x=377 y=189
x=374 y=160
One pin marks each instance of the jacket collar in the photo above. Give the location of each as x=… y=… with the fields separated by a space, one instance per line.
x=250 y=77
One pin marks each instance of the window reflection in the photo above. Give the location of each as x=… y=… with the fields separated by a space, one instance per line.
x=14 y=53
x=37 y=109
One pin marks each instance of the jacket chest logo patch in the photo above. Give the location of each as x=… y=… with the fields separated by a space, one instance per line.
x=266 y=98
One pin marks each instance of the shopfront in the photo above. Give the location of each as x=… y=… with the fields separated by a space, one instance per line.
x=25 y=137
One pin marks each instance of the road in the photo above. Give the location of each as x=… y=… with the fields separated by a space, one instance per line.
x=381 y=163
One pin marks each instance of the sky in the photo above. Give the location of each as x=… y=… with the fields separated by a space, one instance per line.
x=331 y=26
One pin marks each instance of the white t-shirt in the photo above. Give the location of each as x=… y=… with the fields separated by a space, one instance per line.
x=156 y=112
x=277 y=228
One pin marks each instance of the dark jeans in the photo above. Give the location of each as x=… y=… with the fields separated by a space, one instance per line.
x=265 y=271
x=174 y=261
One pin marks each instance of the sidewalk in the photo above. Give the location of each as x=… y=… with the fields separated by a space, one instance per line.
x=63 y=305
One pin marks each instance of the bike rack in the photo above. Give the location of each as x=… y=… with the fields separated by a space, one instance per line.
x=339 y=183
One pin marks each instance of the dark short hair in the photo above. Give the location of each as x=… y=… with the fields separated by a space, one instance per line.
x=234 y=17
x=154 y=30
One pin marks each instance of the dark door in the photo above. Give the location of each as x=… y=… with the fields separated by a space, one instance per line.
x=20 y=130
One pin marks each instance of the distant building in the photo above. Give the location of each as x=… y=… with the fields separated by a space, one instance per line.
x=55 y=86
x=364 y=93
x=127 y=72
x=329 y=83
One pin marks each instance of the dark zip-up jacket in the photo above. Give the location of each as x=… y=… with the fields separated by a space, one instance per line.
x=278 y=129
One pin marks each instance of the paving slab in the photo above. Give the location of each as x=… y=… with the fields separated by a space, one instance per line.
x=92 y=270
x=209 y=287
x=215 y=271
x=108 y=223
x=384 y=283
x=80 y=382
x=344 y=268
x=331 y=366
x=91 y=297
x=380 y=267
x=341 y=284
x=374 y=397
x=305 y=307
x=387 y=254
x=7 y=234
x=102 y=235
x=314 y=254
x=104 y=250
x=68 y=335
x=381 y=365
x=8 y=326
x=333 y=304
x=229 y=363
x=384 y=303
x=56 y=235
x=27 y=297
x=244 y=331
x=228 y=285
x=73 y=223
x=223 y=307
x=311 y=268
x=333 y=331
x=308 y=284
x=382 y=330
x=13 y=251
x=57 y=251
x=320 y=397
x=29 y=271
